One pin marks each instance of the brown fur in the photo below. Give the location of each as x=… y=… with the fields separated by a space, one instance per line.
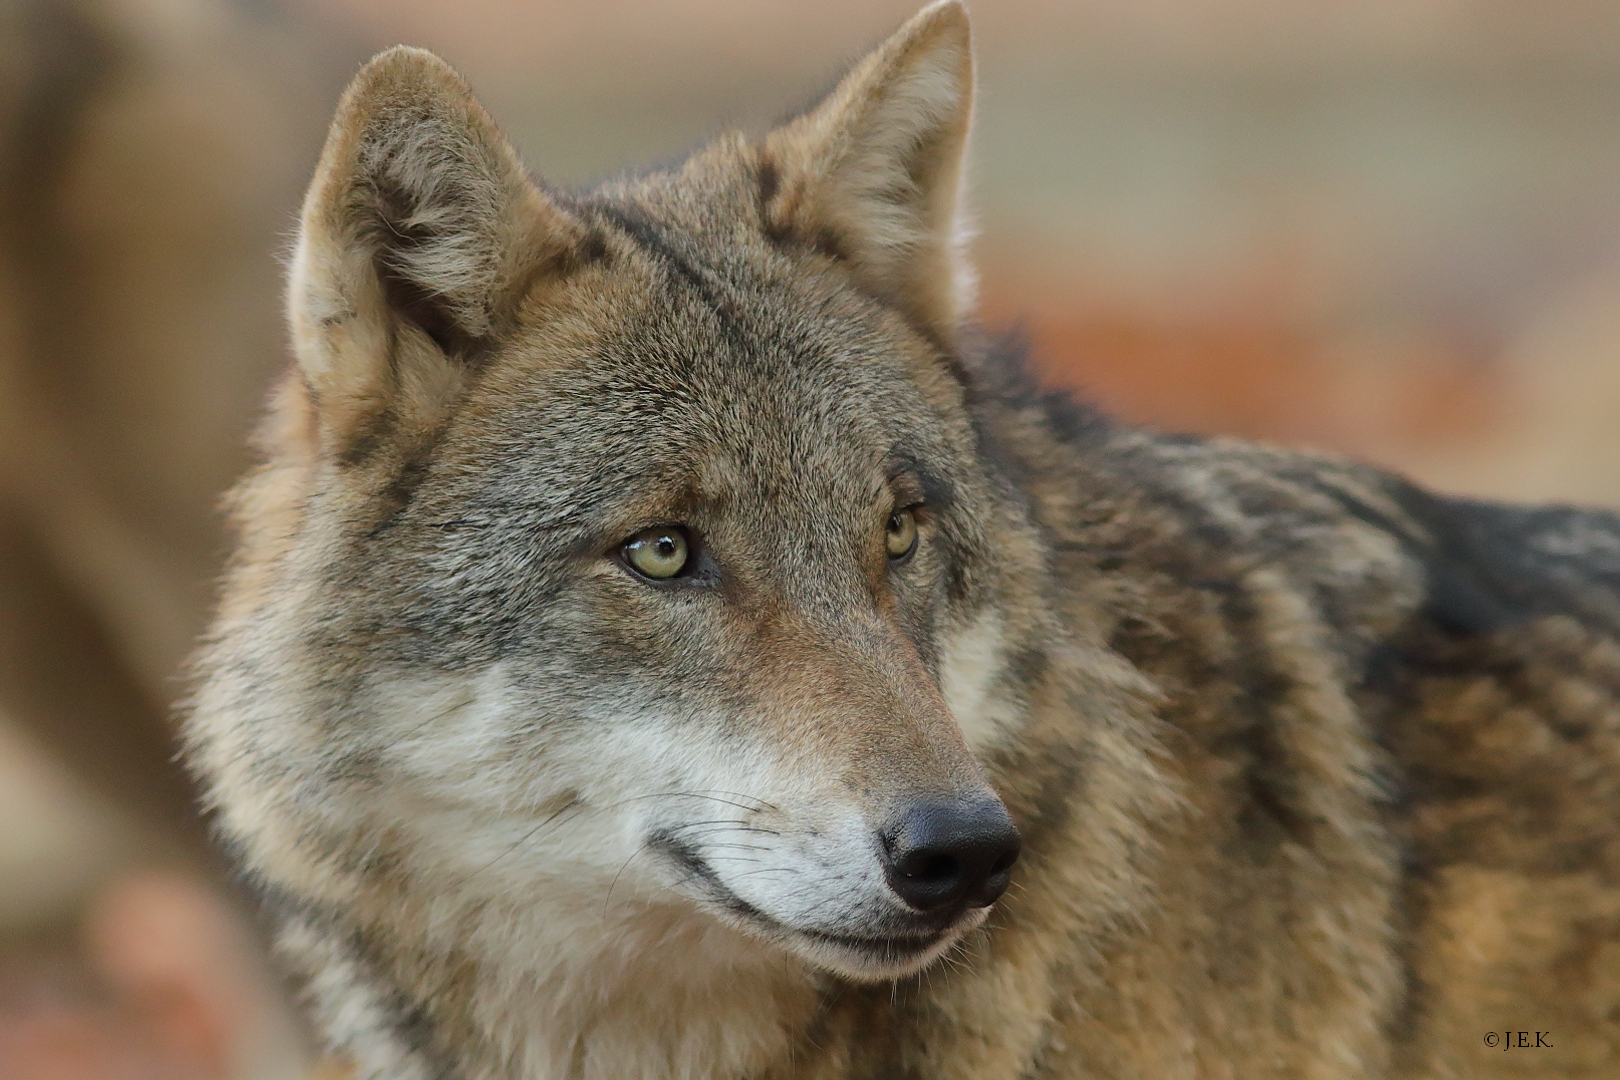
x=1315 y=771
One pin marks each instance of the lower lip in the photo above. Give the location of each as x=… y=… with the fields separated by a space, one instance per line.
x=887 y=949
x=897 y=948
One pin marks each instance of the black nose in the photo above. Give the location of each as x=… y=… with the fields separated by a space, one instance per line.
x=943 y=852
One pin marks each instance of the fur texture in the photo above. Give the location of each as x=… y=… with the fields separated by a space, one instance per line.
x=1315 y=772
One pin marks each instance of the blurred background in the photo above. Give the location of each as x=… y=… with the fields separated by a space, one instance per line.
x=1383 y=228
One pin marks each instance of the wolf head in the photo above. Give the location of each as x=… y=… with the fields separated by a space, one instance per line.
x=610 y=549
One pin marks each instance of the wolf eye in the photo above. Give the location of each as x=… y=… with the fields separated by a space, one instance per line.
x=659 y=553
x=902 y=534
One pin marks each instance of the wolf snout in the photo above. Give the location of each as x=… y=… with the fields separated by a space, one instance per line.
x=950 y=853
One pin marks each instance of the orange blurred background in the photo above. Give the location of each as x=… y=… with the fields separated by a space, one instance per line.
x=1384 y=228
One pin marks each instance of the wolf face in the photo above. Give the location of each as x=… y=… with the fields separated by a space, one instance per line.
x=617 y=539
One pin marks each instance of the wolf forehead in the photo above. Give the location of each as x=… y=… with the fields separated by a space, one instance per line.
x=674 y=366
x=672 y=377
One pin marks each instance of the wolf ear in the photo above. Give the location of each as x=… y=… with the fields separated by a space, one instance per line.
x=872 y=175
x=419 y=236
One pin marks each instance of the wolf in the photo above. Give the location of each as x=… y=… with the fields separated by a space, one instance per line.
x=668 y=639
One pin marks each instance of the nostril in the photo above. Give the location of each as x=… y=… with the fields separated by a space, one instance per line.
x=929 y=866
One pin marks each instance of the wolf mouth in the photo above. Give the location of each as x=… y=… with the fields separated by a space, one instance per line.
x=886 y=949
x=881 y=948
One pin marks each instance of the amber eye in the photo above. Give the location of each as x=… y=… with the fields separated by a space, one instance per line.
x=902 y=534
x=659 y=553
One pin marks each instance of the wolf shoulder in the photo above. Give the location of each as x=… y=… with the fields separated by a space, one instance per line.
x=1458 y=625
x=1212 y=511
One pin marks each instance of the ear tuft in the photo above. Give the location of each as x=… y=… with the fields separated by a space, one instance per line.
x=873 y=175
x=418 y=236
